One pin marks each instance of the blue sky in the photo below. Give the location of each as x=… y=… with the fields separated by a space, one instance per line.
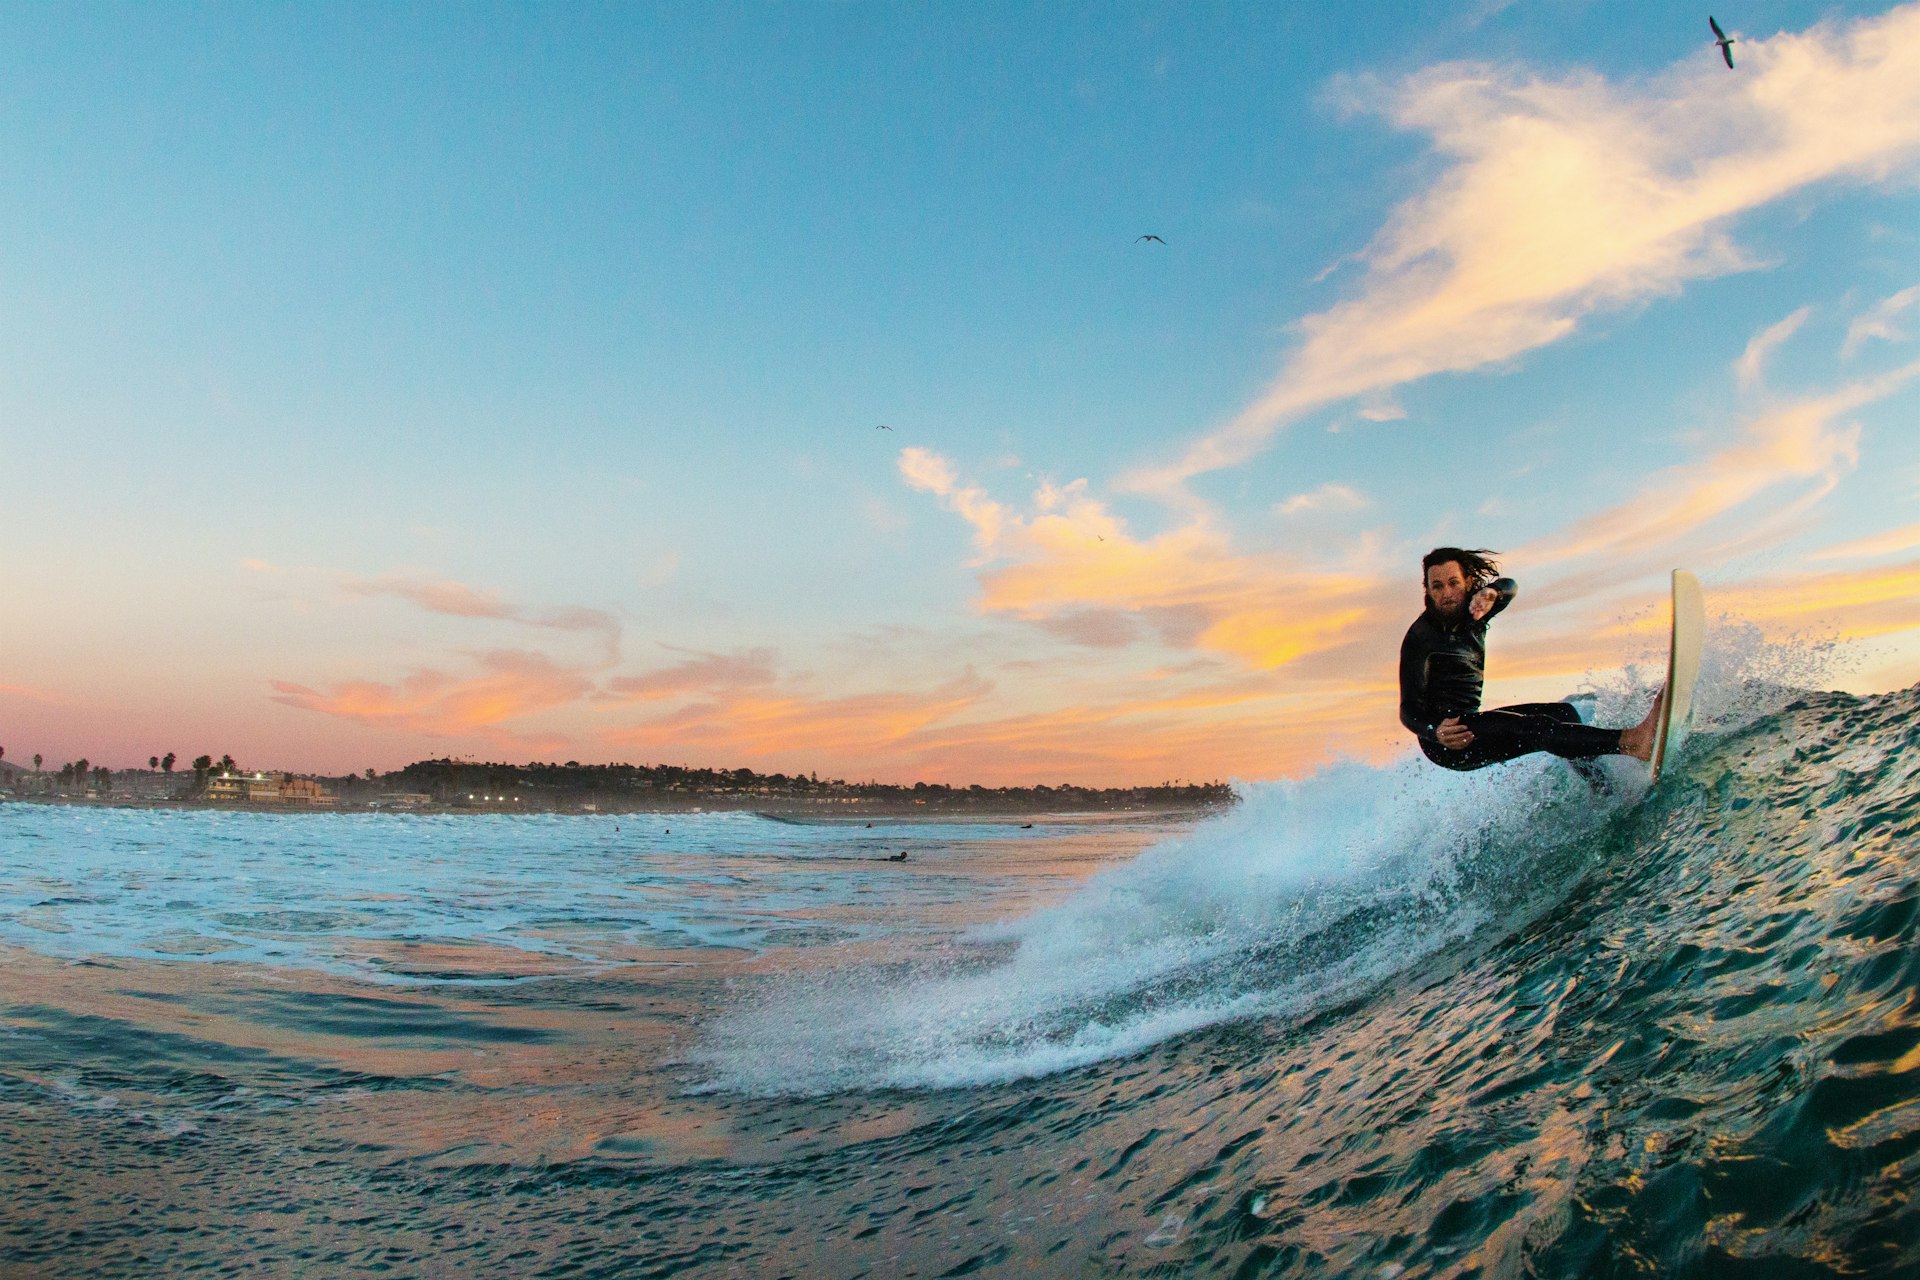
x=319 y=318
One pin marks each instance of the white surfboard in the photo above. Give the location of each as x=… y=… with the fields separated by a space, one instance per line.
x=1683 y=667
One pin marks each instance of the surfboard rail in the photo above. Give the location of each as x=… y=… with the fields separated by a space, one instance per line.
x=1687 y=638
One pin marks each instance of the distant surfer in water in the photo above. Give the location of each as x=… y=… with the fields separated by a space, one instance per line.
x=1443 y=669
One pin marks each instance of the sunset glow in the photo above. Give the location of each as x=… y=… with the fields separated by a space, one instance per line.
x=513 y=385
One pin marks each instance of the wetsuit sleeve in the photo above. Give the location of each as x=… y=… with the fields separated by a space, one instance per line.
x=1504 y=589
x=1414 y=653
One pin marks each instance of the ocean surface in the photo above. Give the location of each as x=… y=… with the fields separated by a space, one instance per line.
x=1380 y=1021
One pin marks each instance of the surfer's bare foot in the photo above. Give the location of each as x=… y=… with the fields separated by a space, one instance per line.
x=1638 y=741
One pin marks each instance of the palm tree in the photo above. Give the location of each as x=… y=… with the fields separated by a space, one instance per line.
x=166 y=762
x=153 y=762
x=200 y=766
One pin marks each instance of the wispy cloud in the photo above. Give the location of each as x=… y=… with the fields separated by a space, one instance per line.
x=701 y=673
x=1878 y=322
x=1328 y=497
x=794 y=726
x=509 y=685
x=1806 y=441
x=1892 y=542
x=1566 y=197
x=1751 y=368
x=458 y=600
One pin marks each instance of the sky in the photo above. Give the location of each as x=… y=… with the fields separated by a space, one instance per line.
x=382 y=382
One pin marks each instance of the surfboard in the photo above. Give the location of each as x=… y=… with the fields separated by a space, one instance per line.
x=1683 y=667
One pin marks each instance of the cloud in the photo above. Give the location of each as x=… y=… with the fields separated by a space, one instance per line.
x=701 y=673
x=1889 y=543
x=1750 y=368
x=1804 y=440
x=1071 y=567
x=1382 y=408
x=453 y=598
x=510 y=684
x=1328 y=497
x=1565 y=197
x=795 y=727
x=1861 y=604
x=1877 y=322
x=458 y=600
x=930 y=473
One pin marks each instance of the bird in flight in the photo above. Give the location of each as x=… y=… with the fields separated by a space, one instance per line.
x=883 y=427
x=1155 y=239
x=1722 y=39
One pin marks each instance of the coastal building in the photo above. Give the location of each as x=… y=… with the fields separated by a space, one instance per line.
x=281 y=789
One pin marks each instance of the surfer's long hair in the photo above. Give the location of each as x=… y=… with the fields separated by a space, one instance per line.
x=1477 y=565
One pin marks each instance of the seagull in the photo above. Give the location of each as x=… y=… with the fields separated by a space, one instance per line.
x=1155 y=239
x=1722 y=39
x=883 y=427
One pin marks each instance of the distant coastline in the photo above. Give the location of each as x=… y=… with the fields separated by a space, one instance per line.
x=457 y=786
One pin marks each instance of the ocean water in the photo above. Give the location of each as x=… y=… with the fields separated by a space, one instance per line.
x=1380 y=1021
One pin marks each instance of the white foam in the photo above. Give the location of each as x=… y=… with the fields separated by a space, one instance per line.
x=1309 y=891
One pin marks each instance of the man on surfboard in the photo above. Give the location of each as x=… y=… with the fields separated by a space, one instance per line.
x=1443 y=669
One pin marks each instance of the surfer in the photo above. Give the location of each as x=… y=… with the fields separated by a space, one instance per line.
x=1443 y=668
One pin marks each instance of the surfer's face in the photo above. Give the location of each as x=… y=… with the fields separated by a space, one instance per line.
x=1447 y=588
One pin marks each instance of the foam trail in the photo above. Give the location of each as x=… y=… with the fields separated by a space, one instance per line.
x=1307 y=891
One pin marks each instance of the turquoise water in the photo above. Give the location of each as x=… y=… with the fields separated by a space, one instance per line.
x=1377 y=1022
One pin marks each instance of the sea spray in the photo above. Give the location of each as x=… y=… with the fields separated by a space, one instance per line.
x=1305 y=894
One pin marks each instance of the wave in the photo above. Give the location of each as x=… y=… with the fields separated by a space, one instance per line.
x=1310 y=894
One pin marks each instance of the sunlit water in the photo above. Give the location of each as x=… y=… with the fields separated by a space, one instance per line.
x=1377 y=1022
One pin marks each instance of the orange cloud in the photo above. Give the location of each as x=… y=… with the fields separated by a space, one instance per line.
x=792 y=727
x=511 y=684
x=1567 y=197
x=1075 y=571
x=1857 y=604
x=706 y=671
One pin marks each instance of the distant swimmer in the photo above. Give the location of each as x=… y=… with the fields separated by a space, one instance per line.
x=898 y=857
x=1155 y=239
x=1026 y=826
x=1443 y=668
x=1722 y=39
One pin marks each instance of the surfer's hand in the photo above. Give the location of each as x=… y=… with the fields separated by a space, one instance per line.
x=1482 y=602
x=1452 y=734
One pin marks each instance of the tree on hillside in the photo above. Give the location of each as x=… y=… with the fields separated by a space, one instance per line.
x=227 y=765
x=153 y=762
x=36 y=762
x=369 y=773
x=166 y=763
x=200 y=766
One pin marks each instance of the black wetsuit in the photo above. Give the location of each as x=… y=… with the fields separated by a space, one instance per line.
x=1442 y=672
